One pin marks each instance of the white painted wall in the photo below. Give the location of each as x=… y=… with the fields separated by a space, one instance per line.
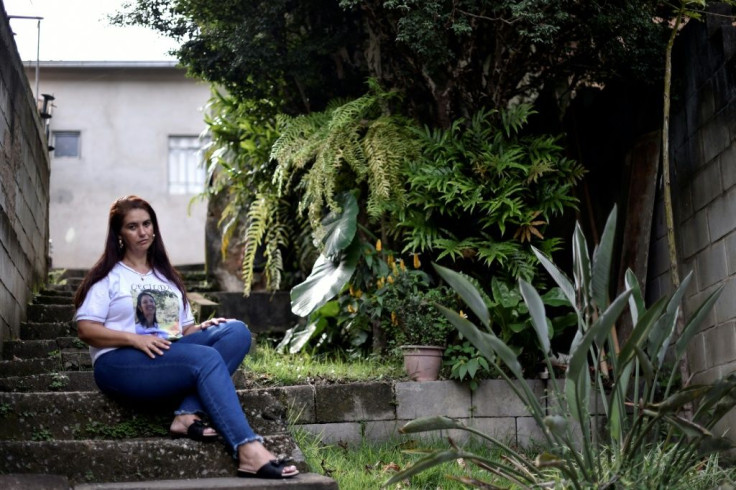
x=126 y=112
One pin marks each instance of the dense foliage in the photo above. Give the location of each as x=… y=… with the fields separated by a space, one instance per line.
x=450 y=57
x=615 y=420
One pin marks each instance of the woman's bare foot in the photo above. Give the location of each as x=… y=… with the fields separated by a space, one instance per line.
x=180 y=426
x=254 y=455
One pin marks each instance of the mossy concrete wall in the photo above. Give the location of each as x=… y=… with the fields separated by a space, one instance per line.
x=24 y=189
x=348 y=414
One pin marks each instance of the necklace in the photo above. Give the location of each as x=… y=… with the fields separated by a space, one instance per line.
x=142 y=275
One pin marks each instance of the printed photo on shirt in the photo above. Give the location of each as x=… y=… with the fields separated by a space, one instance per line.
x=157 y=313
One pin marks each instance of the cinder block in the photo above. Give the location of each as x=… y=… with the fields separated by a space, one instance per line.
x=727 y=160
x=529 y=433
x=721 y=213
x=706 y=185
x=711 y=265
x=720 y=344
x=694 y=234
x=428 y=398
x=383 y=430
x=501 y=428
x=696 y=354
x=299 y=402
x=495 y=398
x=335 y=433
x=458 y=436
x=725 y=307
x=355 y=402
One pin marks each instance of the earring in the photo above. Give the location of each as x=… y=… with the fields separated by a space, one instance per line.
x=154 y=235
x=120 y=243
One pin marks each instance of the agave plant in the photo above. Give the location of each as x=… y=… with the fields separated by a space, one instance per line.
x=615 y=407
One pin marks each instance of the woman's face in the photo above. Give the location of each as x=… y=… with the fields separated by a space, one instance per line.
x=148 y=306
x=137 y=231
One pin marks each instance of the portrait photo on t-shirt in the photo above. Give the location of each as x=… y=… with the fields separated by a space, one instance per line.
x=156 y=312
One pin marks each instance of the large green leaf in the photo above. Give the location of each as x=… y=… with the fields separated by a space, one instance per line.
x=536 y=310
x=601 y=273
x=467 y=292
x=329 y=275
x=636 y=300
x=339 y=228
x=577 y=382
x=559 y=277
x=664 y=328
x=581 y=267
x=692 y=326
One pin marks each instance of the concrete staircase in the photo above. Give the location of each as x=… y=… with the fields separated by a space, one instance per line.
x=54 y=421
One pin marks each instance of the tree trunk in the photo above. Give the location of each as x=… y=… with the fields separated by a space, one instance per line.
x=668 y=212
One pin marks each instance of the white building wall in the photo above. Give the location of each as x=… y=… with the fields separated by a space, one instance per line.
x=125 y=113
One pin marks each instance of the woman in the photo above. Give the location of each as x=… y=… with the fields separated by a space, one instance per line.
x=188 y=362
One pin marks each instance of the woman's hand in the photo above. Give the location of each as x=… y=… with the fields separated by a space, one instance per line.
x=151 y=345
x=205 y=325
x=211 y=323
x=97 y=335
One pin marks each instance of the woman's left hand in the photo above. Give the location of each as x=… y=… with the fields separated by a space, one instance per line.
x=211 y=323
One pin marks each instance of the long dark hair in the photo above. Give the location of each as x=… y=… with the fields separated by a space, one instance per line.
x=113 y=253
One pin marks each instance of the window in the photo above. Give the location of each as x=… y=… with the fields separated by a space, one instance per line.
x=186 y=169
x=66 y=144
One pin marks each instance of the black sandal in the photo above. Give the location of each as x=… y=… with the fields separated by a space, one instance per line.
x=195 y=431
x=273 y=470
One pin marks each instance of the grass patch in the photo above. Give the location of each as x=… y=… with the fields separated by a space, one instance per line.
x=369 y=465
x=266 y=367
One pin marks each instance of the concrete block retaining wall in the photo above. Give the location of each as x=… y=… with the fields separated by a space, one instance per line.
x=703 y=154
x=375 y=411
x=24 y=189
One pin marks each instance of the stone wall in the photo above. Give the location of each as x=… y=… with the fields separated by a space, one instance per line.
x=24 y=189
x=703 y=156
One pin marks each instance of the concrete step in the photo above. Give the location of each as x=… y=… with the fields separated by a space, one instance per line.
x=28 y=367
x=106 y=461
x=303 y=481
x=60 y=289
x=53 y=299
x=29 y=349
x=47 y=330
x=50 y=313
x=81 y=379
x=54 y=382
x=77 y=273
x=92 y=415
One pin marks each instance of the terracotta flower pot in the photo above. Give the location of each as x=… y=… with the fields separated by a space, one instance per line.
x=422 y=362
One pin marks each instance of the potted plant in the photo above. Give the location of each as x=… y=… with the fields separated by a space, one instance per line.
x=414 y=325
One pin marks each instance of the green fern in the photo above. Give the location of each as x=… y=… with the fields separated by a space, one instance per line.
x=353 y=144
x=241 y=172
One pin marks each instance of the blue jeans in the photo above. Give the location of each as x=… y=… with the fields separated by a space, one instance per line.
x=196 y=370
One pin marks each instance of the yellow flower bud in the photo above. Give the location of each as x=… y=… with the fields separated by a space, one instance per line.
x=402 y=266
x=390 y=279
x=394 y=319
x=378 y=245
x=463 y=314
x=417 y=263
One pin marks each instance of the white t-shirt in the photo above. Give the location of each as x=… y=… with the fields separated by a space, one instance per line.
x=127 y=301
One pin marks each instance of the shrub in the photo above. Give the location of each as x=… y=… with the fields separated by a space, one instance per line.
x=636 y=389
